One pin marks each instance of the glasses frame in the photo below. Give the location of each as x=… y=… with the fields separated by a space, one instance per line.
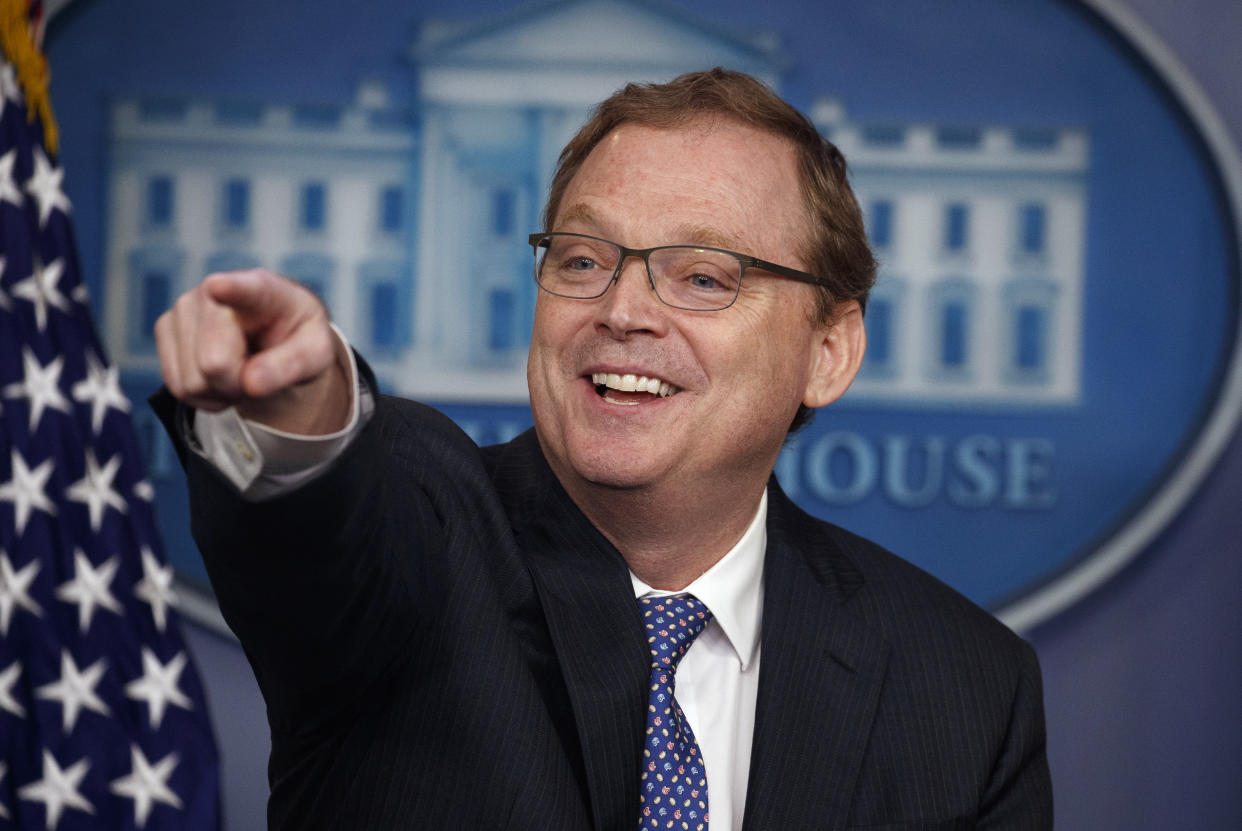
x=744 y=260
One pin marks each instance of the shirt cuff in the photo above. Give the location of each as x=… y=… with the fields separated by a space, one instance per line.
x=263 y=462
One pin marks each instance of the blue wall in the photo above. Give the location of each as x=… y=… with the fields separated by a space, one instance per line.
x=1143 y=678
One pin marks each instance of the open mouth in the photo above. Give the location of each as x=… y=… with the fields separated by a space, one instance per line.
x=630 y=389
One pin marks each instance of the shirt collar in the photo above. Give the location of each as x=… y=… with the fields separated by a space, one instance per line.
x=732 y=588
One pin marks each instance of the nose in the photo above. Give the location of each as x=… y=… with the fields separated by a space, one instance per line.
x=631 y=304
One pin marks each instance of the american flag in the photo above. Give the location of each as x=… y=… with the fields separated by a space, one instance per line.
x=103 y=724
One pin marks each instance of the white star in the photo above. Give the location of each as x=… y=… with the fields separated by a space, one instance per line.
x=155 y=587
x=95 y=488
x=40 y=289
x=147 y=785
x=25 y=490
x=5 y=302
x=75 y=690
x=58 y=789
x=144 y=491
x=41 y=385
x=102 y=388
x=44 y=186
x=4 y=812
x=8 y=86
x=7 y=679
x=14 y=586
x=158 y=685
x=89 y=588
x=9 y=191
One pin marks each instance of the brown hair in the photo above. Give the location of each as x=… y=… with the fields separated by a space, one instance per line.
x=836 y=245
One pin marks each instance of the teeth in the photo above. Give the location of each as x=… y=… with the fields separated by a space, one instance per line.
x=634 y=383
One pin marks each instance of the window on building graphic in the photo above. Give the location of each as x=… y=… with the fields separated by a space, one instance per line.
x=311 y=270
x=1035 y=138
x=502 y=212
x=879 y=352
x=383 y=287
x=153 y=275
x=501 y=327
x=391 y=209
x=384 y=331
x=959 y=138
x=160 y=201
x=230 y=261
x=884 y=308
x=1030 y=306
x=880 y=222
x=956 y=227
x=1032 y=228
x=312 y=215
x=315 y=116
x=236 y=204
x=952 y=329
x=1031 y=337
x=883 y=135
x=954 y=320
x=156 y=297
x=239 y=113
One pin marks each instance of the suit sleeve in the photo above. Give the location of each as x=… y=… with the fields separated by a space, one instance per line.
x=1019 y=794
x=326 y=586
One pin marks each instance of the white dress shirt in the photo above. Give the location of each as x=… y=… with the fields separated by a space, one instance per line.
x=717 y=682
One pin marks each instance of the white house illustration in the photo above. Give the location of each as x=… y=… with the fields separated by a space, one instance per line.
x=412 y=223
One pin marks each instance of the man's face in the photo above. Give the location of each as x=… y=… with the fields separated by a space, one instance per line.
x=739 y=373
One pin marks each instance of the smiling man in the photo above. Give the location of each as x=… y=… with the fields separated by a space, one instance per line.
x=617 y=617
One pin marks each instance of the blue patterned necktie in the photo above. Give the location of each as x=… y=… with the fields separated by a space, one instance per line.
x=673 y=792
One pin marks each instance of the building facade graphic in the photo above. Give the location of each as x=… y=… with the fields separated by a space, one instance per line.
x=410 y=220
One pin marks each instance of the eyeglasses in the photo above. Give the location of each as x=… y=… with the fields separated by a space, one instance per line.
x=689 y=277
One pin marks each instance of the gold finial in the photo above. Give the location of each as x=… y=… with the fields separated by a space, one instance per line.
x=17 y=40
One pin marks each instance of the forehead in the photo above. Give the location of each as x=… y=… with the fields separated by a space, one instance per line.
x=710 y=182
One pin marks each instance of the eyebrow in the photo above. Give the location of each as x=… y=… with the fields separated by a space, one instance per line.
x=688 y=234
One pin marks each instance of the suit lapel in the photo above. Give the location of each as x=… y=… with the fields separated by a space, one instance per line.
x=819 y=684
x=588 y=600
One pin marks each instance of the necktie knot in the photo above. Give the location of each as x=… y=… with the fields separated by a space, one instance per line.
x=672 y=623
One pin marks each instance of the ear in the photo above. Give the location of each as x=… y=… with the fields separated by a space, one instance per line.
x=836 y=355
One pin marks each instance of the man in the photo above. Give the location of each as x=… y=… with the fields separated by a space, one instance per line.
x=448 y=636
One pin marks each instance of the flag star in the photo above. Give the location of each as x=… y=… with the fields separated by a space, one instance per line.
x=58 y=789
x=147 y=785
x=14 y=588
x=155 y=587
x=95 y=489
x=144 y=491
x=4 y=812
x=25 y=490
x=101 y=387
x=8 y=678
x=40 y=289
x=44 y=185
x=158 y=685
x=89 y=588
x=41 y=385
x=8 y=85
x=9 y=192
x=75 y=690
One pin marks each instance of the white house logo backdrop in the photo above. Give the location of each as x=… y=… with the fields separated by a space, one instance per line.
x=1051 y=332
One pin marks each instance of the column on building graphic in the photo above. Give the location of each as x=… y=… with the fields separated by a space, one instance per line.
x=497 y=100
x=320 y=193
x=979 y=232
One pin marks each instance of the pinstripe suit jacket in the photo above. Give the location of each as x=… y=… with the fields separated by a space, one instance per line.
x=444 y=641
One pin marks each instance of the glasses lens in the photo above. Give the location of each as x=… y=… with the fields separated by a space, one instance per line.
x=695 y=278
x=574 y=266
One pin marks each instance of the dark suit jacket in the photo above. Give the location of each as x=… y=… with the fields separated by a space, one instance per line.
x=444 y=641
